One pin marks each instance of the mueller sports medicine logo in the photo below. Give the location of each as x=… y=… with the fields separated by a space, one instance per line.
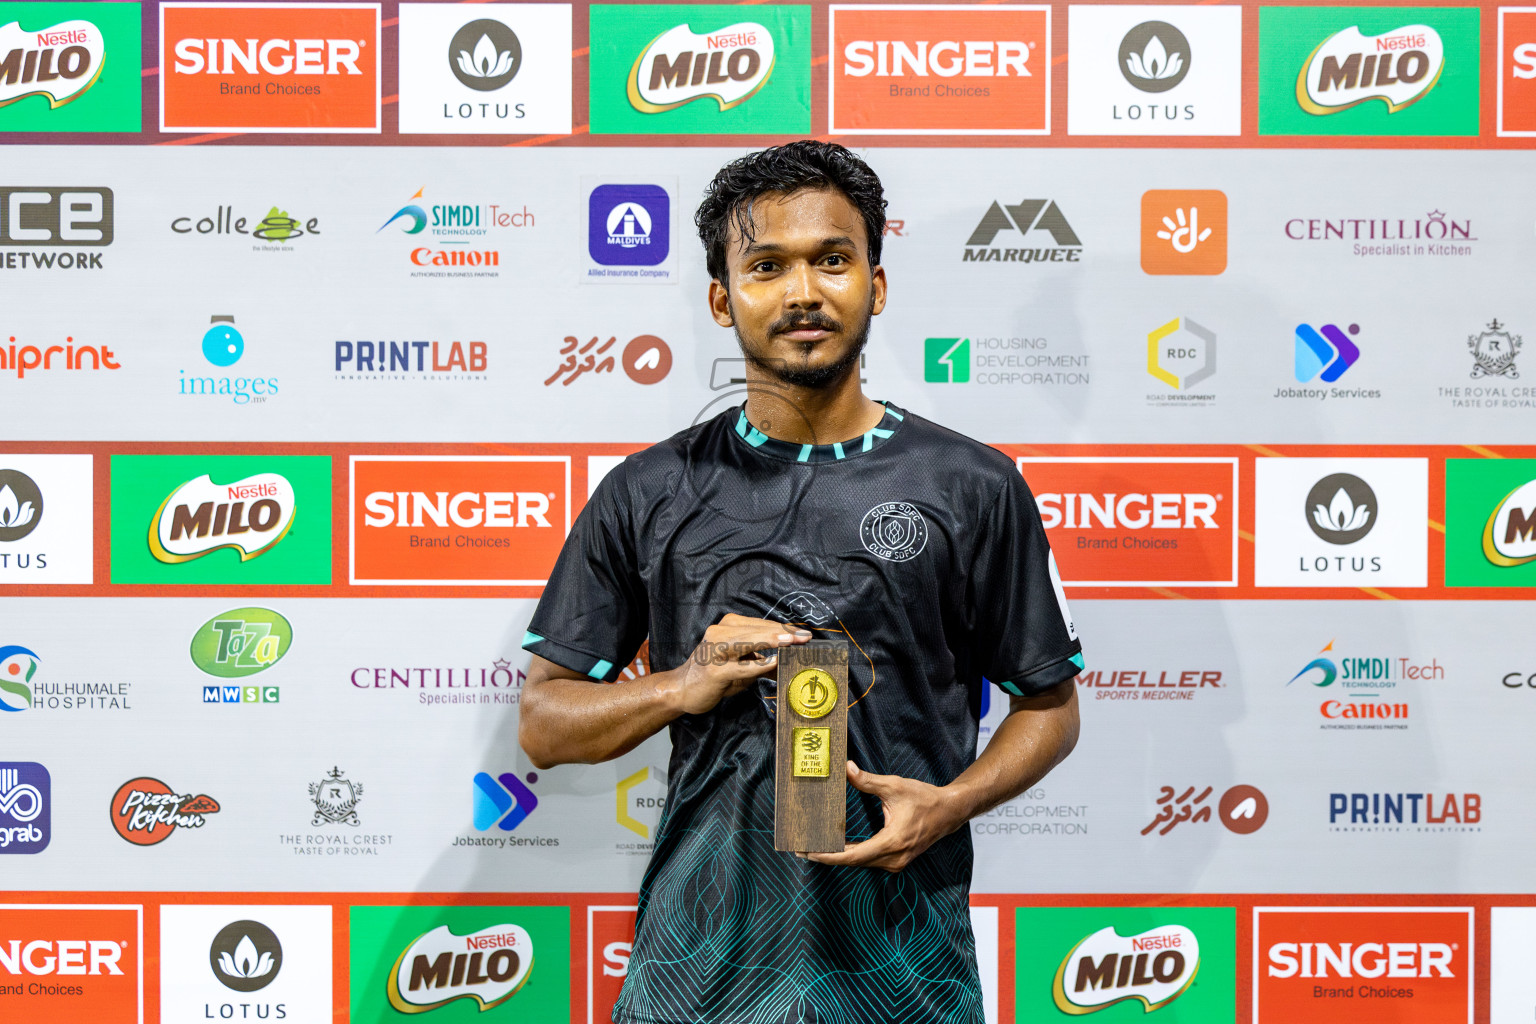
x=249 y=516
x=486 y=967
x=1037 y=223
x=58 y=63
x=269 y=67
x=25 y=807
x=146 y=811
x=45 y=217
x=679 y=66
x=1348 y=68
x=1153 y=968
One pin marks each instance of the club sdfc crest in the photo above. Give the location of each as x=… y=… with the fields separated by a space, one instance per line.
x=894 y=531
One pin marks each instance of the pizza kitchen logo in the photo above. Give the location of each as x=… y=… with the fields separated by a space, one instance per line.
x=486 y=968
x=200 y=517
x=1153 y=968
x=145 y=811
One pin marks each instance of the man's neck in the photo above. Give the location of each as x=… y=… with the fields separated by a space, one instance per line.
x=810 y=415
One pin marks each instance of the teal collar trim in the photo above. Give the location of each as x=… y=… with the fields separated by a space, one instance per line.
x=835 y=452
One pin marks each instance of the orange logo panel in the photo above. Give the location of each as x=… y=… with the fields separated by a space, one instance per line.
x=1517 y=72
x=1184 y=231
x=269 y=68
x=467 y=522
x=1138 y=522
x=1362 y=966
x=611 y=939
x=71 y=965
x=958 y=70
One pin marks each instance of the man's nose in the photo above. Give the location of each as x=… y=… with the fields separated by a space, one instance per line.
x=800 y=290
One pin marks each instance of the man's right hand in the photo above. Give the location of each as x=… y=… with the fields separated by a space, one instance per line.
x=728 y=660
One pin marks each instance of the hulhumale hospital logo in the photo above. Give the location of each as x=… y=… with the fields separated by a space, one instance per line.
x=17 y=667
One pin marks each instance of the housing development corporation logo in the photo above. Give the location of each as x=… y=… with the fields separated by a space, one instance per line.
x=961 y=70
x=1490 y=522
x=69 y=67
x=145 y=811
x=1037 y=222
x=26 y=799
x=987 y=359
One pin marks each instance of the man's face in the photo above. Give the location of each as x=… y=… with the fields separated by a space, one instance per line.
x=802 y=290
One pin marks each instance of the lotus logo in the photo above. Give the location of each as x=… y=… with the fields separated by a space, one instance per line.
x=67 y=57
x=680 y=66
x=1155 y=967
x=200 y=517
x=245 y=956
x=1509 y=539
x=21 y=505
x=14 y=514
x=1349 y=68
x=1154 y=56
x=1341 y=508
x=894 y=531
x=485 y=55
x=488 y=966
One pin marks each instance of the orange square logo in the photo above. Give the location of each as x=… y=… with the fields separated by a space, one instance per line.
x=1138 y=522
x=1517 y=71
x=930 y=70
x=1184 y=231
x=1340 y=965
x=72 y=963
x=459 y=521
x=269 y=67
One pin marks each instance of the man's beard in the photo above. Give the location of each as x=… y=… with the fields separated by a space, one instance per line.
x=813 y=378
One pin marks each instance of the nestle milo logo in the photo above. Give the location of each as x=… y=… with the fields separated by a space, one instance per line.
x=241 y=642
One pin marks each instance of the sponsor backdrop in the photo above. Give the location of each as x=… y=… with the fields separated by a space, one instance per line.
x=325 y=319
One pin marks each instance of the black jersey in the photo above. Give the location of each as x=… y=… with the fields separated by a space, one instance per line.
x=924 y=549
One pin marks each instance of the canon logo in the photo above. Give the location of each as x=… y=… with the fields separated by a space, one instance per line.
x=1129 y=511
x=68 y=956
x=273 y=56
x=971 y=59
x=466 y=509
x=1365 y=960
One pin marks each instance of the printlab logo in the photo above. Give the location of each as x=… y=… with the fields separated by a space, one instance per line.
x=1405 y=812
x=21 y=505
x=1154 y=56
x=50 y=217
x=629 y=225
x=1326 y=353
x=894 y=531
x=335 y=798
x=17 y=667
x=1340 y=508
x=55 y=77
x=223 y=345
x=274 y=231
x=25 y=807
x=1181 y=353
x=1241 y=809
x=503 y=801
x=646 y=359
x=246 y=956
x=1184 y=231
x=145 y=811
x=485 y=55
x=1034 y=220
x=1494 y=351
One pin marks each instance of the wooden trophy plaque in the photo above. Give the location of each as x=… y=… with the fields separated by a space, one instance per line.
x=811 y=748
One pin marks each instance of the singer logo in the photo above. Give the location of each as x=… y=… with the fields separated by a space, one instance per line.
x=955 y=70
x=1517 y=71
x=269 y=67
x=610 y=941
x=1328 y=965
x=467 y=521
x=200 y=517
x=72 y=963
x=1139 y=522
x=487 y=966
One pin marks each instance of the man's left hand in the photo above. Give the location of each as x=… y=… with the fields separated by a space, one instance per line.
x=917 y=815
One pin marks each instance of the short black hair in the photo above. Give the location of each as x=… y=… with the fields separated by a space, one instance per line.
x=786 y=169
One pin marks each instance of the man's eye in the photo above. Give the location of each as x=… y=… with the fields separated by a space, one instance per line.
x=837 y=259
x=764 y=267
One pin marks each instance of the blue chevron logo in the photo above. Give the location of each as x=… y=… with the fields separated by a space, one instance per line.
x=503 y=801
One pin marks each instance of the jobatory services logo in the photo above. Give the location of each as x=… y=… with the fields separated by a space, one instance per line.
x=75 y=963
x=693 y=69
x=1367 y=696
x=145 y=811
x=458 y=520
x=42 y=219
x=455 y=239
x=503 y=69
x=262 y=962
x=1339 y=522
x=1038 y=223
x=962 y=69
x=502 y=801
x=420 y=959
x=1401 y=71
x=1490 y=522
x=46 y=519
x=26 y=802
x=1181 y=354
x=252 y=67
x=1345 y=965
x=25 y=686
x=1184 y=231
x=1241 y=809
x=1321 y=355
x=1135 y=522
x=70 y=67
x=1516 y=114
x=1154 y=70
x=221 y=519
x=645 y=360
x=987 y=359
x=223 y=345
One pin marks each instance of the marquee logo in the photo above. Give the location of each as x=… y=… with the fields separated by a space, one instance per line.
x=1153 y=968
x=241 y=642
x=72 y=962
x=58 y=63
x=146 y=811
x=237 y=67
x=679 y=66
x=25 y=807
x=200 y=517
x=1032 y=219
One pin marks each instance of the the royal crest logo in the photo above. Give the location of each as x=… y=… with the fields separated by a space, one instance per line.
x=1154 y=967
x=200 y=517
x=680 y=66
x=335 y=798
x=1509 y=538
x=146 y=811
x=487 y=966
x=59 y=62
x=894 y=531
x=1348 y=68
x=1494 y=351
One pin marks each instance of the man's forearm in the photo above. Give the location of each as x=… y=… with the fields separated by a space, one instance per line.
x=564 y=720
x=1036 y=736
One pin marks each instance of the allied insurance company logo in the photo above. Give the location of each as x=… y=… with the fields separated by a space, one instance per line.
x=53 y=57
x=40 y=219
x=1184 y=231
x=145 y=811
x=72 y=963
x=958 y=70
x=1038 y=223
x=26 y=801
x=237 y=67
x=486 y=967
x=1341 y=965
x=629 y=225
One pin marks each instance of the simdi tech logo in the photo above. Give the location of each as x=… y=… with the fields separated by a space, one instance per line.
x=237 y=67
x=1343 y=965
x=1490 y=522
x=685 y=69
x=957 y=69
x=70 y=67
x=1402 y=71
x=256 y=519
x=72 y=963
x=1517 y=72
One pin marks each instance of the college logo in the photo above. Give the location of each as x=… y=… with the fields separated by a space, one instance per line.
x=1494 y=351
x=72 y=962
x=273 y=231
x=1138 y=522
x=1181 y=354
x=1490 y=522
x=1034 y=220
x=502 y=802
x=146 y=811
x=222 y=346
x=692 y=69
x=497 y=520
x=894 y=531
x=1160 y=965
x=1517 y=71
x=246 y=956
x=1368 y=71
x=1184 y=231
x=54 y=61
x=335 y=798
x=962 y=70
x=241 y=642
x=238 y=67
x=25 y=802
x=201 y=517
x=1338 y=965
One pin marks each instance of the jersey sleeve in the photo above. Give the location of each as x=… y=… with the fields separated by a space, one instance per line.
x=1023 y=638
x=594 y=613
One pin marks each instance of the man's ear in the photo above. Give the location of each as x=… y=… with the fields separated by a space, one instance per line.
x=877 y=285
x=720 y=304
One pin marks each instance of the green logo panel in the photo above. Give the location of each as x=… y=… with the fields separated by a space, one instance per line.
x=1488 y=527
x=515 y=961
x=70 y=67
x=291 y=493
x=1195 y=990
x=1405 y=84
x=715 y=74
x=241 y=642
x=946 y=360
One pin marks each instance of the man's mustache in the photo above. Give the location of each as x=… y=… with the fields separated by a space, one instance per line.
x=801 y=321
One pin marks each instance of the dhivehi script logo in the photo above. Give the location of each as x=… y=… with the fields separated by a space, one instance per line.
x=1509 y=539
x=680 y=66
x=200 y=517
x=60 y=63
x=1106 y=968
x=894 y=531
x=488 y=966
x=1349 y=68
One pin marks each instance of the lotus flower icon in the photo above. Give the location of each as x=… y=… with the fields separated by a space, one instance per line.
x=1154 y=56
x=1342 y=515
x=14 y=513
x=1155 y=62
x=245 y=962
x=486 y=61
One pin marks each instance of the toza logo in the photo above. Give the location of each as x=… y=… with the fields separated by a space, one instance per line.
x=1154 y=967
x=485 y=55
x=1154 y=56
x=1340 y=508
x=487 y=966
x=241 y=642
x=246 y=956
x=680 y=66
x=1349 y=68
x=249 y=516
